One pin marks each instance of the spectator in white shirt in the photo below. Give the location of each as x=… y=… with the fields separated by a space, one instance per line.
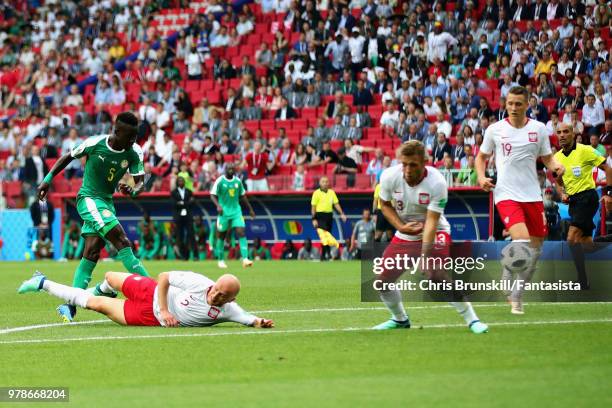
x=430 y=107
x=438 y=43
x=390 y=117
x=194 y=64
x=244 y=25
x=356 y=45
x=443 y=125
x=75 y=98
x=163 y=117
x=147 y=111
x=593 y=116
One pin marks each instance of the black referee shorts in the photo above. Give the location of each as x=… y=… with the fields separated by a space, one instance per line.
x=325 y=220
x=381 y=222
x=582 y=209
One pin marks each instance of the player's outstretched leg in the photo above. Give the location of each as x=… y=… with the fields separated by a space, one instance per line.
x=72 y=296
x=112 y=308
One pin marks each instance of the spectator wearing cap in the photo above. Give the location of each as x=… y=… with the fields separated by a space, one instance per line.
x=484 y=58
x=356 y=45
x=439 y=42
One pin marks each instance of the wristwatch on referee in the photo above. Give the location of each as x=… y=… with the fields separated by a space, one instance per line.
x=608 y=191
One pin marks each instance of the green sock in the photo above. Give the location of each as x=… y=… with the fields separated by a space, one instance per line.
x=244 y=247
x=131 y=263
x=82 y=276
x=220 y=249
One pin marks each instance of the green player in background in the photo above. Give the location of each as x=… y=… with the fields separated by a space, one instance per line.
x=150 y=243
x=109 y=157
x=230 y=241
x=226 y=194
x=73 y=245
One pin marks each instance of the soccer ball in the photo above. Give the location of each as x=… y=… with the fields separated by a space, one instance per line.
x=516 y=257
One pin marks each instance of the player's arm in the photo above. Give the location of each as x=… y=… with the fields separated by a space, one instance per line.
x=560 y=187
x=481 y=164
x=245 y=201
x=553 y=165
x=237 y=315
x=163 y=284
x=59 y=165
x=215 y=200
x=313 y=212
x=409 y=228
x=126 y=189
x=136 y=170
x=429 y=231
x=339 y=209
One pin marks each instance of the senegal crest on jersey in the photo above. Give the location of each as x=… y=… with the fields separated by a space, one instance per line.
x=124 y=164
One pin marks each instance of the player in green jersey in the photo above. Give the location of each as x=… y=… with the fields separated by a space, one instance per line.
x=109 y=157
x=226 y=194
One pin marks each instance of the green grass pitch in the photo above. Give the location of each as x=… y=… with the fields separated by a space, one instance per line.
x=320 y=353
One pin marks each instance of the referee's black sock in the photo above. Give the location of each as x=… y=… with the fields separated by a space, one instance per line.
x=577 y=251
x=324 y=252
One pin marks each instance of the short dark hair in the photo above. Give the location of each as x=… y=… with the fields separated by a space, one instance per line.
x=519 y=90
x=127 y=118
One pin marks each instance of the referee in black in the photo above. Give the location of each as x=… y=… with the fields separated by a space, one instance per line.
x=577 y=188
x=322 y=205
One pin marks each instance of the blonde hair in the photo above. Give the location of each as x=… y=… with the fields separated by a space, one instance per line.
x=411 y=148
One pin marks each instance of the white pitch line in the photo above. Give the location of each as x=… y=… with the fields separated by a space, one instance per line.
x=318 y=310
x=272 y=331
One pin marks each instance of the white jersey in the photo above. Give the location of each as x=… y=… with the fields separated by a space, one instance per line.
x=516 y=152
x=187 y=302
x=412 y=203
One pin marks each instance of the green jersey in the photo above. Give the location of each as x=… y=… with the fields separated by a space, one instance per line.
x=228 y=193
x=106 y=166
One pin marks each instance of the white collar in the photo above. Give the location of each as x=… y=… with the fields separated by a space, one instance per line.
x=110 y=148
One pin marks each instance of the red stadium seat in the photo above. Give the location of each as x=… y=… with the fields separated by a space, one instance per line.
x=12 y=188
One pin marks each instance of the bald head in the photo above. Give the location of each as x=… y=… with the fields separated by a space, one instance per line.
x=565 y=133
x=224 y=290
x=229 y=283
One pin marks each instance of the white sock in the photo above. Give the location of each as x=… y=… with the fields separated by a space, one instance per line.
x=466 y=310
x=72 y=296
x=393 y=300
x=105 y=287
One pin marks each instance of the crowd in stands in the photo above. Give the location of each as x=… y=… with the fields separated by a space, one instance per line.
x=290 y=90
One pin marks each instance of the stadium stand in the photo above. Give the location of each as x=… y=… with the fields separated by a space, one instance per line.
x=216 y=75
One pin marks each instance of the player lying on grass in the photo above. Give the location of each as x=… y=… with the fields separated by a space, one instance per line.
x=177 y=298
x=413 y=197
